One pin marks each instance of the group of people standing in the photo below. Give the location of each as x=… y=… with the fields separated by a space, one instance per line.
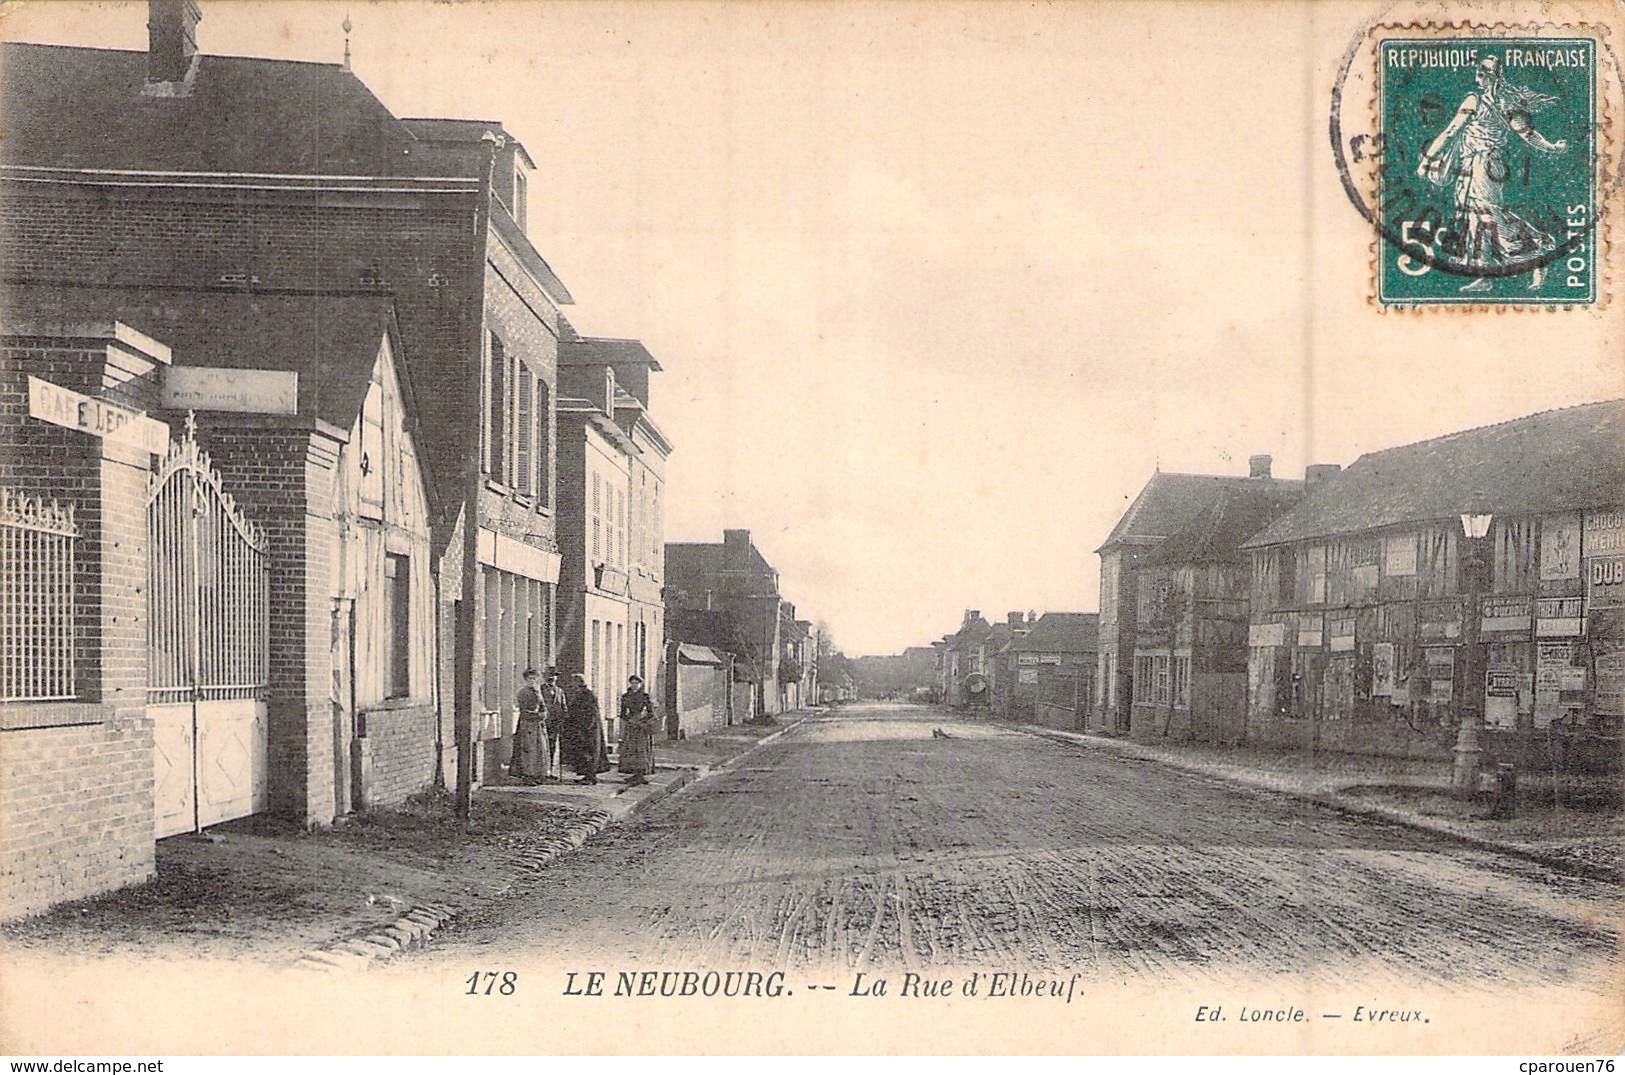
x=564 y=722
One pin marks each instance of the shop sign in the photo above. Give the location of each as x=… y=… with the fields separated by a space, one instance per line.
x=1559 y=617
x=1505 y=615
x=1438 y=620
x=1382 y=670
x=1559 y=547
x=1604 y=533
x=1027 y=675
x=73 y=410
x=1049 y=658
x=1310 y=627
x=1266 y=634
x=1441 y=691
x=1027 y=659
x=1605 y=582
x=200 y=388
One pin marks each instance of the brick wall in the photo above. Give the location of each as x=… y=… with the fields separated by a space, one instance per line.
x=402 y=747
x=76 y=777
x=75 y=810
x=282 y=479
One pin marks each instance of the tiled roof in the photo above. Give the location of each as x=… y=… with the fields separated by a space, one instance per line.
x=66 y=107
x=1169 y=503
x=1551 y=461
x=689 y=559
x=1236 y=514
x=1061 y=632
x=331 y=342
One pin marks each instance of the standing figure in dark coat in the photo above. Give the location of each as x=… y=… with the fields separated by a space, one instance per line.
x=584 y=749
x=637 y=713
x=554 y=707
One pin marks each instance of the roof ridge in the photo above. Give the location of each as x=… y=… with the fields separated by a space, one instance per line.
x=201 y=55
x=1454 y=434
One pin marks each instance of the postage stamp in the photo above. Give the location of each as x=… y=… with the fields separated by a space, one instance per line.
x=1483 y=158
x=1490 y=191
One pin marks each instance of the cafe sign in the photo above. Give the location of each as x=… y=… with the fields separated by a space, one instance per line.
x=73 y=410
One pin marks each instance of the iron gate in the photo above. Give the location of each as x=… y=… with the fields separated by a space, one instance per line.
x=208 y=646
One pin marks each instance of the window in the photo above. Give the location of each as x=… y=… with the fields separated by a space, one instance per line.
x=1159 y=681
x=519 y=198
x=544 y=444
x=1151 y=678
x=524 y=429
x=496 y=394
x=597 y=524
x=37 y=635
x=398 y=623
x=1182 y=681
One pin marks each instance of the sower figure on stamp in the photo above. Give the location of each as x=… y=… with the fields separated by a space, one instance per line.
x=530 y=745
x=554 y=706
x=583 y=733
x=637 y=713
x=1471 y=152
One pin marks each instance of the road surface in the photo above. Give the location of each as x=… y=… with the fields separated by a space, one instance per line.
x=908 y=838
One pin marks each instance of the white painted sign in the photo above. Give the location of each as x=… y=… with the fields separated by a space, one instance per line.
x=515 y=557
x=205 y=388
x=73 y=410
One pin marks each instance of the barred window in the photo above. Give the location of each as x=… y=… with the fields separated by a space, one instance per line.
x=37 y=639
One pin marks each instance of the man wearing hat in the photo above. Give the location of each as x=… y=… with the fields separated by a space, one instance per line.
x=553 y=710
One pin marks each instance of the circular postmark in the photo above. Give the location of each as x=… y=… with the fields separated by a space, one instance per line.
x=1477 y=155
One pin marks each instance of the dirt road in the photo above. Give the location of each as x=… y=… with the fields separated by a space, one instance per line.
x=863 y=839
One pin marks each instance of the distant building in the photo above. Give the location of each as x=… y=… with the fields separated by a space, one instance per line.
x=1051 y=667
x=1378 y=620
x=1166 y=505
x=733 y=576
x=966 y=681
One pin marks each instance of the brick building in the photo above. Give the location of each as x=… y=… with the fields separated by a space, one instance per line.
x=611 y=490
x=169 y=170
x=76 y=745
x=1167 y=504
x=1474 y=578
x=734 y=577
x=1051 y=669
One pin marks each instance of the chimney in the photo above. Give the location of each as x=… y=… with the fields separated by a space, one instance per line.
x=1315 y=473
x=171 y=39
x=1017 y=620
x=1258 y=466
x=735 y=546
x=971 y=615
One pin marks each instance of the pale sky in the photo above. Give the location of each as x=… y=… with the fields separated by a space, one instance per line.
x=937 y=287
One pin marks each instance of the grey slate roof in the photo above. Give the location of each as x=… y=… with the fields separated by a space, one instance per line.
x=1170 y=502
x=65 y=107
x=1551 y=461
x=1061 y=632
x=1216 y=534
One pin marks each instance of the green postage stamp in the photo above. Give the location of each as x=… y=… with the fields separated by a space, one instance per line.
x=1487 y=190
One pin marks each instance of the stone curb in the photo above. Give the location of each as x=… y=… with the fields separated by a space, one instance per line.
x=1341 y=805
x=416 y=927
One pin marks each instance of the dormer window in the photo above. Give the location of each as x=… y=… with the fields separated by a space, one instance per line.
x=519 y=199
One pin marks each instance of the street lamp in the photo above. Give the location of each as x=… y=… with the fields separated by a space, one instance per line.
x=1464 y=778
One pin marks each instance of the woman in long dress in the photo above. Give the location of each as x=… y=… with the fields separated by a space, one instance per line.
x=637 y=714
x=530 y=749
x=1471 y=153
